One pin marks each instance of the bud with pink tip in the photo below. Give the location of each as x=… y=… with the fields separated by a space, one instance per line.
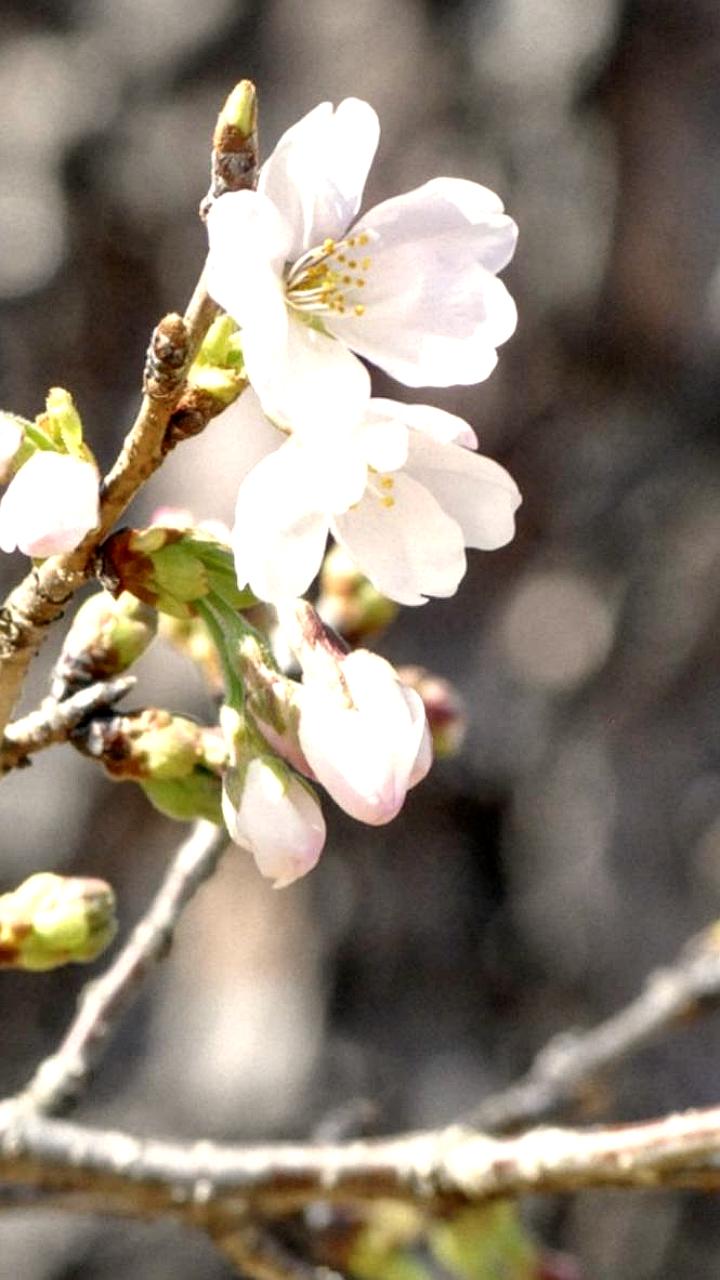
x=49 y=505
x=364 y=734
x=268 y=809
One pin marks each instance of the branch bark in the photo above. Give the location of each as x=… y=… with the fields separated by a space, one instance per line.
x=113 y=1172
x=60 y=1078
x=54 y=721
x=673 y=995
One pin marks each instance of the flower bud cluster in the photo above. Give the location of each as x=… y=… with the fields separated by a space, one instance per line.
x=51 y=920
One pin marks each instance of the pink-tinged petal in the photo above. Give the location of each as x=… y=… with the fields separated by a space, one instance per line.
x=432 y=310
x=49 y=505
x=447 y=428
x=410 y=550
x=278 y=539
x=446 y=206
x=314 y=384
x=316 y=174
x=362 y=745
x=279 y=820
x=477 y=492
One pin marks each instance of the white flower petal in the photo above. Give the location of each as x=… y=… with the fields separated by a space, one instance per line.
x=256 y=435
x=433 y=311
x=315 y=383
x=316 y=174
x=365 y=754
x=408 y=551
x=249 y=244
x=278 y=820
x=448 y=428
x=278 y=540
x=477 y=492
x=49 y=505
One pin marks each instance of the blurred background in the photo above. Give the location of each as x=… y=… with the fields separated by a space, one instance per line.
x=574 y=843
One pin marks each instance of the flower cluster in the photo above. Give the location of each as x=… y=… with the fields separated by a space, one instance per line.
x=310 y=290
x=412 y=287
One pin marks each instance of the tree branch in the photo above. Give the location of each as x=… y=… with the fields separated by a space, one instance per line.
x=560 y=1072
x=101 y=1170
x=59 y=1079
x=41 y=597
x=54 y=721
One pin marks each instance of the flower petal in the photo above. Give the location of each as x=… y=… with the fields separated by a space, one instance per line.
x=409 y=550
x=313 y=383
x=256 y=435
x=278 y=820
x=249 y=244
x=432 y=310
x=480 y=494
x=316 y=174
x=49 y=505
x=364 y=754
x=448 y=428
x=278 y=539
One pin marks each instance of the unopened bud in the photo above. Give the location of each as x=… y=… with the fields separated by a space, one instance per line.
x=273 y=701
x=108 y=635
x=170 y=568
x=198 y=795
x=364 y=734
x=240 y=110
x=268 y=809
x=150 y=744
x=52 y=920
x=349 y=602
x=63 y=420
x=443 y=707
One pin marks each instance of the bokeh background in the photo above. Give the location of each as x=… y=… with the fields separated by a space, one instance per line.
x=574 y=844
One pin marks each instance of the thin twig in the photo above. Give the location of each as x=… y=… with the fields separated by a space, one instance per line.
x=54 y=721
x=60 y=1077
x=124 y=1174
x=563 y=1069
x=41 y=597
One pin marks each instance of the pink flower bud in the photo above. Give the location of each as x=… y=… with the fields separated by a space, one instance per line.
x=49 y=505
x=275 y=816
x=364 y=734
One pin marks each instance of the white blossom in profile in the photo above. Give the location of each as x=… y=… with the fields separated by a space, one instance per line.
x=411 y=286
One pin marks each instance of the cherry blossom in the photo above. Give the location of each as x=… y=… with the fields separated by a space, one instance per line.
x=412 y=286
x=403 y=492
x=364 y=735
x=49 y=505
x=276 y=817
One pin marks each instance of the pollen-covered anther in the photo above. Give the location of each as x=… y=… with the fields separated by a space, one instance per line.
x=320 y=282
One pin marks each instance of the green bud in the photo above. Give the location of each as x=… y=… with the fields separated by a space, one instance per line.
x=64 y=421
x=107 y=636
x=150 y=744
x=224 y=385
x=52 y=920
x=198 y=795
x=170 y=568
x=221 y=345
x=240 y=110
